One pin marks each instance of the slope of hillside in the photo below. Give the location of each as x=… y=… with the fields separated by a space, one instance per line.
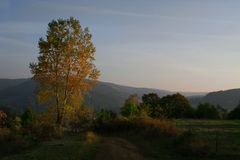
x=227 y=99
x=5 y=83
x=112 y=96
x=19 y=96
x=104 y=95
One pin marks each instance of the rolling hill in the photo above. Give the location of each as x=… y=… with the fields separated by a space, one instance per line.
x=20 y=93
x=227 y=99
x=5 y=83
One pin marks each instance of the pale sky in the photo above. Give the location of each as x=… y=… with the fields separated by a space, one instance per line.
x=178 y=45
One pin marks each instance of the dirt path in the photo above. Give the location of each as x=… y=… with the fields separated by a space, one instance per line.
x=118 y=149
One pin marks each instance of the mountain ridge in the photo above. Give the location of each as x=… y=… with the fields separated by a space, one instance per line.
x=20 y=93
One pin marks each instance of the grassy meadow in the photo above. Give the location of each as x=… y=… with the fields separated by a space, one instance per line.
x=223 y=136
x=221 y=140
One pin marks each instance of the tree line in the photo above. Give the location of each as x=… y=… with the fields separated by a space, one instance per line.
x=174 y=106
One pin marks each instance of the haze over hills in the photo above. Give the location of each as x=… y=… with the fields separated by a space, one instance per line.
x=20 y=93
x=228 y=99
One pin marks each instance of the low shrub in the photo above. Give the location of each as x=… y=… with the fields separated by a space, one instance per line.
x=104 y=116
x=47 y=131
x=115 y=125
x=81 y=119
x=147 y=126
x=157 y=127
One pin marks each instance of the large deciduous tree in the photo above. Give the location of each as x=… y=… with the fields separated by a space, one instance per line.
x=65 y=68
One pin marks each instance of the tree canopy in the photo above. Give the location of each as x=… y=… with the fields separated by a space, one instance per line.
x=207 y=111
x=130 y=107
x=170 y=106
x=65 y=68
x=175 y=106
x=152 y=102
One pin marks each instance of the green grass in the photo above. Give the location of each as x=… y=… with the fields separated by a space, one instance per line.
x=68 y=148
x=225 y=132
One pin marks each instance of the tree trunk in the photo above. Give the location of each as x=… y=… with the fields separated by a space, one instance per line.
x=59 y=119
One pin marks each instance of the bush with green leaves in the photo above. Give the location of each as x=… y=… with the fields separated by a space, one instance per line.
x=28 y=117
x=131 y=106
x=105 y=115
x=129 y=110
